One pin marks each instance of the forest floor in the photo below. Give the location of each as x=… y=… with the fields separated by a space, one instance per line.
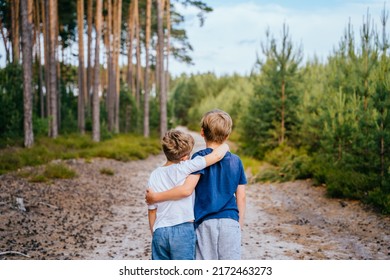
x=97 y=216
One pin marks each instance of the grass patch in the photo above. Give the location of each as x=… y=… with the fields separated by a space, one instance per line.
x=38 y=178
x=50 y=172
x=251 y=165
x=59 y=171
x=124 y=147
x=107 y=171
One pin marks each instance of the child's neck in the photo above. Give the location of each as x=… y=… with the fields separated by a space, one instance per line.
x=169 y=163
x=213 y=145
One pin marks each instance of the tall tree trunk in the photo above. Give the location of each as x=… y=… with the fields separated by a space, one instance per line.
x=53 y=69
x=117 y=70
x=15 y=11
x=168 y=9
x=27 y=30
x=106 y=40
x=39 y=60
x=130 y=24
x=46 y=44
x=110 y=90
x=146 y=82
x=89 y=54
x=82 y=86
x=95 y=100
x=163 y=96
x=138 y=54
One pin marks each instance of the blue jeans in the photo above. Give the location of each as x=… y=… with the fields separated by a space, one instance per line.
x=174 y=243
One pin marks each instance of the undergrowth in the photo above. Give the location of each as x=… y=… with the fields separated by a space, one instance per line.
x=123 y=147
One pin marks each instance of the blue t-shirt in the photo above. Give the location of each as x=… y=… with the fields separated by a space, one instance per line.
x=215 y=192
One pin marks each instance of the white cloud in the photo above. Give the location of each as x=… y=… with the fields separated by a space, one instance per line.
x=232 y=34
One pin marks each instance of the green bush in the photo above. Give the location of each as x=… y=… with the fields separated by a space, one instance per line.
x=380 y=200
x=286 y=164
x=346 y=183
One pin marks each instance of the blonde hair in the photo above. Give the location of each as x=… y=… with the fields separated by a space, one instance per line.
x=177 y=144
x=216 y=125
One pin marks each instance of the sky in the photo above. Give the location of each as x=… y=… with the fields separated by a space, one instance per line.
x=231 y=37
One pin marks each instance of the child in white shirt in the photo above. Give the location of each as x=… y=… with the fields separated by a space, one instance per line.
x=171 y=222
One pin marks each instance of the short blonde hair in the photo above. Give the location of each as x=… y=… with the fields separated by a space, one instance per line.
x=216 y=125
x=177 y=144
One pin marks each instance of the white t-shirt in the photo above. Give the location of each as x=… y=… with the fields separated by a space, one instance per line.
x=174 y=212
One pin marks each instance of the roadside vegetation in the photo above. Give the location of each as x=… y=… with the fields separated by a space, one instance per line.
x=123 y=147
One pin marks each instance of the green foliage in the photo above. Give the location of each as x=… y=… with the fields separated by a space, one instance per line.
x=50 y=172
x=128 y=112
x=285 y=164
x=189 y=92
x=11 y=101
x=38 y=178
x=120 y=147
x=379 y=199
x=195 y=95
x=272 y=116
x=58 y=171
x=251 y=165
x=125 y=148
x=68 y=21
x=107 y=171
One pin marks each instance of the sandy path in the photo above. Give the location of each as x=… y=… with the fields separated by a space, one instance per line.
x=96 y=216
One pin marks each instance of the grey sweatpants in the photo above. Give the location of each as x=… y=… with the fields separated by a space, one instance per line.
x=218 y=239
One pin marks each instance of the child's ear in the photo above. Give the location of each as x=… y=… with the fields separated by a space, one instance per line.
x=187 y=157
x=202 y=132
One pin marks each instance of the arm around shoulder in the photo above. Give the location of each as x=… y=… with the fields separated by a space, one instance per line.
x=217 y=154
x=176 y=193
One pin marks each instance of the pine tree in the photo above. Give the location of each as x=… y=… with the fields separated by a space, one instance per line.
x=272 y=116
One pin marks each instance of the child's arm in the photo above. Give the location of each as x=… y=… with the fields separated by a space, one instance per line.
x=175 y=193
x=189 y=185
x=152 y=218
x=241 y=203
x=217 y=154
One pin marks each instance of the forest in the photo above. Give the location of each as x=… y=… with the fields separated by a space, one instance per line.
x=293 y=119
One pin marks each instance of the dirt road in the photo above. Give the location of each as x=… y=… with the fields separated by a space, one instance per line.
x=97 y=216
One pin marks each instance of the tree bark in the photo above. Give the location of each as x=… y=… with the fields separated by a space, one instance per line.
x=39 y=60
x=146 y=82
x=95 y=100
x=46 y=45
x=138 y=55
x=117 y=46
x=27 y=30
x=89 y=54
x=15 y=10
x=168 y=46
x=130 y=24
x=53 y=124
x=82 y=85
x=110 y=90
x=163 y=97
